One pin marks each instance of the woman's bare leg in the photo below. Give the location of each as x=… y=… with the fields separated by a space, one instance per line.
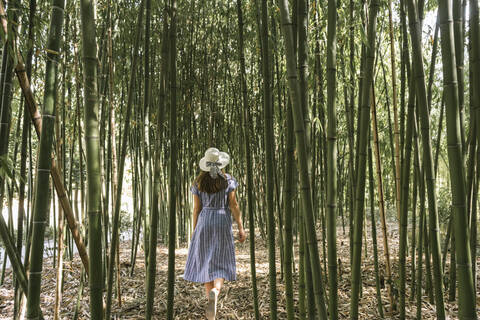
x=218 y=284
x=208 y=287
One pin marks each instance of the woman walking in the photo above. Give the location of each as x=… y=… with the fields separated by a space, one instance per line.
x=211 y=256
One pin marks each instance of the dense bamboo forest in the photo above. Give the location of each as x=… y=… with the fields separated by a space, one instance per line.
x=353 y=129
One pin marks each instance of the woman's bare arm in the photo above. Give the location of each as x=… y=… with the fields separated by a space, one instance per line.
x=237 y=215
x=235 y=209
x=197 y=207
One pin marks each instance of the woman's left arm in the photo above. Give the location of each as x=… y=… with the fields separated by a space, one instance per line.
x=197 y=207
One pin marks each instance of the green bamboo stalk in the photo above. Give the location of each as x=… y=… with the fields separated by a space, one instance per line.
x=432 y=64
x=121 y=165
x=6 y=83
x=350 y=127
x=405 y=196
x=414 y=233
x=301 y=268
x=361 y=152
x=60 y=236
x=152 y=259
x=381 y=202
x=310 y=300
x=418 y=73
x=25 y=131
x=173 y=160
x=452 y=281
x=6 y=107
x=108 y=156
x=332 y=159
x=17 y=266
x=371 y=189
x=458 y=40
x=466 y=291
x=395 y=114
x=404 y=60
x=302 y=67
x=13 y=255
x=269 y=150
x=301 y=143
x=421 y=190
x=475 y=101
x=249 y=170
x=92 y=148
x=42 y=185
x=288 y=198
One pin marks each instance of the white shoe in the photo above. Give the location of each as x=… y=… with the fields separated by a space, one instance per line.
x=212 y=304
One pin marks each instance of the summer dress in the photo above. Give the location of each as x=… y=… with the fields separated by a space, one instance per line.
x=212 y=253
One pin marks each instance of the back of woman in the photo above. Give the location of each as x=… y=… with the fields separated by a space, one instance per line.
x=217 y=198
x=211 y=256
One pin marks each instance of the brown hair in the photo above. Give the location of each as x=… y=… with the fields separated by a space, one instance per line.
x=206 y=183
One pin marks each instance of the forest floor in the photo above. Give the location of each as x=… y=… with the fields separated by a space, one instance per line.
x=235 y=301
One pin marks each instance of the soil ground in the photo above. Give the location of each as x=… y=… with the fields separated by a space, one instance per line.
x=235 y=301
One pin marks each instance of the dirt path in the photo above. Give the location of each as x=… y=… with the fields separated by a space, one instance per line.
x=235 y=300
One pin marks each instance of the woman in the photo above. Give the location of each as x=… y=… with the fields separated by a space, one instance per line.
x=211 y=256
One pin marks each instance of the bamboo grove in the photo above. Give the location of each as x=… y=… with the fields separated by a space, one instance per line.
x=343 y=118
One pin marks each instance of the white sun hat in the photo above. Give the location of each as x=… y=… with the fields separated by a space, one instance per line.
x=214 y=159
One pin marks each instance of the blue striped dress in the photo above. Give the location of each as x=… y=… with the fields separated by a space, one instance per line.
x=212 y=253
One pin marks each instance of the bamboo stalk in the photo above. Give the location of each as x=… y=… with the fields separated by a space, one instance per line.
x=455 y=142
x=332 y=194
x=381 y=202
x=301 y=142
x=361 y=152
x=123 y=152
x=173 y=158
x=249 y=171
x=418 y=73
x=42 y=182
x=93 y=162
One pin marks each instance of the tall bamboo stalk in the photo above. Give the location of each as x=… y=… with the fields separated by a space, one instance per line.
x=371 y=189
x=60 y=246
x=475 y=101
x=173 y=159
x=332 y=158
x=361 y=152
x=405 y=196
x=152 y=259
x=24 y=149
x=350 y=114
x=458 y=41
x=418 y=73
x=121 y=165
x=381 y=202
x=42 y=182
x=466 y=291
x=92 y=148
x=288 y=198
x=421 y=190
x=396 y=131
x=301 y=142
x=269 y=149
x=249 y=171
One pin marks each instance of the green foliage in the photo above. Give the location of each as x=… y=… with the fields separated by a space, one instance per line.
x=6 y=167
x=125 y=221
x=444 y=203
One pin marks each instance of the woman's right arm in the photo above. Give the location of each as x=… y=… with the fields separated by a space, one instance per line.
x=235 y=209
